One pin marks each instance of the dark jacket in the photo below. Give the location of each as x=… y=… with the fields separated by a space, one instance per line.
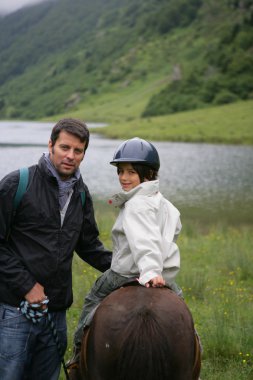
x=34 y=247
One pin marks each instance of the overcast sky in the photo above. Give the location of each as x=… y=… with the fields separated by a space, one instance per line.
x=8 y=6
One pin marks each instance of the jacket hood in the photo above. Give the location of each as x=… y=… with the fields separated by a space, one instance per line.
x=145 y=188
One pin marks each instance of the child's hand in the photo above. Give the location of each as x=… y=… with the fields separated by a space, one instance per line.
x=156 y=282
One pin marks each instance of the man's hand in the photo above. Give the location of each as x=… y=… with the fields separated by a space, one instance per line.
x=156 y=282
x=36 y=294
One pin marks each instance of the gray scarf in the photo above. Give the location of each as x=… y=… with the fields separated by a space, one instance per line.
x=65 y=187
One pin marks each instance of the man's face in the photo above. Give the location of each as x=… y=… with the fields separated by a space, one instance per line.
x=67 y=154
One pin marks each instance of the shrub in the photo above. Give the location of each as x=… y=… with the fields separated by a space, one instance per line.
x=225 y=97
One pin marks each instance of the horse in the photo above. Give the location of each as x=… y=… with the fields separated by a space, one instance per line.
x=140 y=333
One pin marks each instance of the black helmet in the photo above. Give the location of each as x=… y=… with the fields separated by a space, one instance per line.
x=137 y=151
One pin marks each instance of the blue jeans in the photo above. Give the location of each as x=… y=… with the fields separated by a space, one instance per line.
x=28 y=350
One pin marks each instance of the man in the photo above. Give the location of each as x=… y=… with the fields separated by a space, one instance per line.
x=36 y=251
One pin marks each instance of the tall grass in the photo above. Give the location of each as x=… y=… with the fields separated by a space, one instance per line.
x=229 y=124
x=217 y=280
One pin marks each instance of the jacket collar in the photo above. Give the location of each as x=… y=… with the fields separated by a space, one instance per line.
x=46 y=172
x=145 y=188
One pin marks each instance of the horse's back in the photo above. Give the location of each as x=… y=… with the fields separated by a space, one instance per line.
x=139 y=333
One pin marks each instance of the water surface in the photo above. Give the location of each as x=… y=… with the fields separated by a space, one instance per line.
x=214 y=178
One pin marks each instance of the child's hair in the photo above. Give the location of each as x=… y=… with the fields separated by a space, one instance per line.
x=144 y=172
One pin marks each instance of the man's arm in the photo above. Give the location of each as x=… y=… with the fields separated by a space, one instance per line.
x=89 y=247
x=12 y=271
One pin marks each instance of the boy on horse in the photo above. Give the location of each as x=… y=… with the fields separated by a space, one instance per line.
x=144 y=234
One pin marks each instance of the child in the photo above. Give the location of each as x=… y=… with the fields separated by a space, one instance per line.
x=143 y=235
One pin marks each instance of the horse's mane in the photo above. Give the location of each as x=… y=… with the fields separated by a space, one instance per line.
x=144 y=345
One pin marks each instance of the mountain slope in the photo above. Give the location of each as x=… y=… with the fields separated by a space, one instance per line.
x=59 y=56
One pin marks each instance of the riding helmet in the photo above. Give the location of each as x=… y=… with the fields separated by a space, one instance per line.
x=139 y=151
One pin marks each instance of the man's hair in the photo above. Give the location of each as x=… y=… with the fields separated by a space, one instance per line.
x=143 y=171
x=74 y=126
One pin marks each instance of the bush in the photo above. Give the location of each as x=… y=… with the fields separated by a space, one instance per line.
x=225 y=97
x=170 y=103
x=209 y=89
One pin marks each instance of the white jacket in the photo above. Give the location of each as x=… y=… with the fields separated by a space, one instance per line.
x=144 y=234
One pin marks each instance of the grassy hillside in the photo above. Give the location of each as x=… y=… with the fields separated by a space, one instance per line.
x=229 y=124
x=124 y=58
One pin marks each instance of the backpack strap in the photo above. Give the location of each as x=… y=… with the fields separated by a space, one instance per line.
x=83 y=197
x=22 y=185
x=23 y=181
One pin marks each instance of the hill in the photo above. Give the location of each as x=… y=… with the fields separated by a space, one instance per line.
x=157 y=57
x=226 y=124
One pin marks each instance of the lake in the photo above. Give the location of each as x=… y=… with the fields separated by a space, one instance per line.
x=217 y=179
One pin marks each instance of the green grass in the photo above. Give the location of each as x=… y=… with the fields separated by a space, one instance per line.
x=217 y=279
x=230 y=124
x=121 y=103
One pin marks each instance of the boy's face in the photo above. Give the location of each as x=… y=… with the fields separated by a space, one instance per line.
x=66 y=154
x=128 y=177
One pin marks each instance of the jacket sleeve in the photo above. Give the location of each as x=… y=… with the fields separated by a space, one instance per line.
x=89 y=246
x=12 y=270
